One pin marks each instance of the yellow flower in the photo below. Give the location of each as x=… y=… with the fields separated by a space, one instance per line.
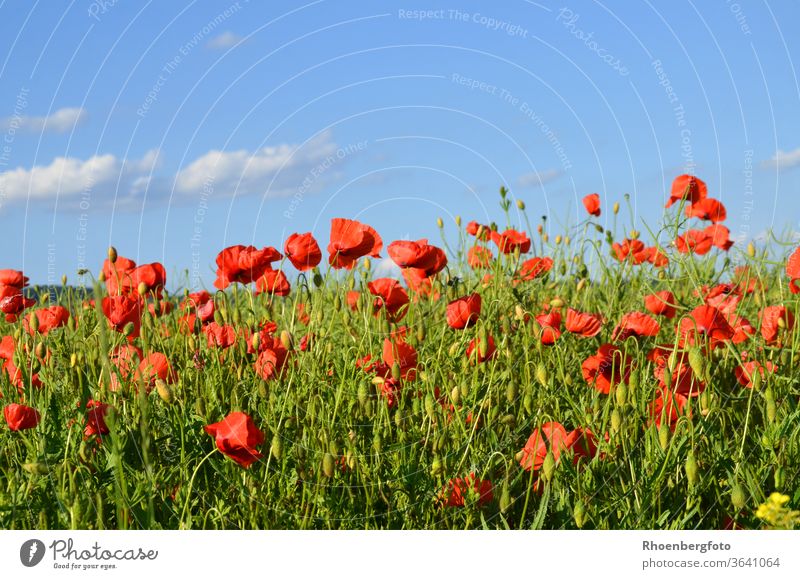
x=775 y=513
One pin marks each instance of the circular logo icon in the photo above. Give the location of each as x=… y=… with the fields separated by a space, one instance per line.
x=31 y=553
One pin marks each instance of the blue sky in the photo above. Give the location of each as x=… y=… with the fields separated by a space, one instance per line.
x=171 y=130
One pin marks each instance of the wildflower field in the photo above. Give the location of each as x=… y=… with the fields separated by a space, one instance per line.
x=522 y=378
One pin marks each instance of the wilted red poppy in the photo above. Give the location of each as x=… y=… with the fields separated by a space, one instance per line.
x=535 y=267
x=152 y=367
x=238 y=438
x=418 y=255
x=708 y=322
x=13 y=278
x=707 y=209
x=49 y=319
x=219 y=336
x=608 y=367
x=694 y=241
x=464 y=312
x=351 y=240
x=479 y=353
x=479 y=257
x=773 y=320
x=592 y=204
x=511 y=240
x=635 y=324
x=687 y=187
x=552 y=436
x=121 y=310
x=583 y=324
x=457 y=489
x=661 y=303
x=273 y=282
x=243 y=264
x=96 y=419
x=475 y=229
x=21 y=417
x=303 y=251
x=745 y=372
x=720 y=236
x=390 y=296
x=404 y=355
x=793 y=270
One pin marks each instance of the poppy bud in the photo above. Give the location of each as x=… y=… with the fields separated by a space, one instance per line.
x=634 y=234
x=581 y=285
x=439 y=222
x=327 y=464
x=579 y=514
x=541 y=374
x=200 y=406
x=691 y=469
x=255 y=341
x=317 y=279
x=751 y=249
x=34 y=322
x=436 y=466
x=738 y=497
x=781 y=323
x=73 y=360
x=276 y=448
x=621 y=394
x=142 y=288
x=367 y=264
x=771 y=408
x=164 y=391
x=599 y=228
x=705 y=403
x=64 y=279
x=505 y=498
x=377 y=443
x=663 y=435
x=545 y=237
x=458 y=221
x=396 y=374
x=616 y=420
x=37 y=468
x=520 y=205
x=548 y=467
x=615 y=207
x=112 y=254
x=128 y=329
x=558 y=239
x=362 y=394
x=779 y=477
x=286 y=340
x=527 y=403
x=455 y=395
x=698 y=363
x=511 y=392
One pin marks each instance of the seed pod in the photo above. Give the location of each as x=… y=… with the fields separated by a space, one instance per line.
x=579 y=514
x=327 y=464
x=663 y=435
x=548 y=467
x=511 y=392
x=698 y=363
x=691 y=469
x=771 y=408
x=541 y=374
x=430 y=406
x=738 y=497
x=621 y=394
x=616 y=421
x=165 y=391
x=276 y=448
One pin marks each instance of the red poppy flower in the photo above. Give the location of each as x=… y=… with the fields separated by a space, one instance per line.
x=661 y=303
x=608 y=367
x=682 y=379
x=552 y=436
x=511 y=240
x=271 y=360
x=404 y=355
x=351 y=240
x=457 y=489
x=352 y=299
x=635 y=324
x=13 y=302
x=793 y=270
x=475 y=229
x=116 y=273
x=479 y=257
x=464 y=312
x=773 y=320
x=583 y=442
x=481 y=354
x=16 y=377
x=7 y=348
x=219 y=336
x=687 y=187
x=418 y=282
x=391 y=296
x=720 y=236
x=238 y=438
x=49 y=319
x=707 y=209
x=96 y=419
x=694 y=241
x=243 y=264
x=650 y=255
x=303 y=251
x=273 y=282
x=120 y=310
x=583 y=324
x=628 y=247
x=418 y=255
x=668 y=406
x=724 y=296
x=592 y=204
x=745 y=372
x=21 y=417
x=550 y=323
x=535 y=267
x=152 y=367
x=13 y=278
x=124 y=358
x=742 y=328
x=708 y=322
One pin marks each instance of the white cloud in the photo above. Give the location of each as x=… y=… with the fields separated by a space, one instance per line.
x=280 y=170
x=387 y=268
x=535 y=179
x=224 y=40
x=783 y=160
x=61 y=121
